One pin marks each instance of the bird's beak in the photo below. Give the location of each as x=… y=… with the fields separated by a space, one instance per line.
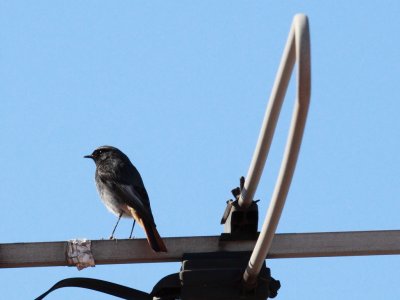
x=88 y=156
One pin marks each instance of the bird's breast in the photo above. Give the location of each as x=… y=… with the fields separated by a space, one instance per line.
x=111 y=200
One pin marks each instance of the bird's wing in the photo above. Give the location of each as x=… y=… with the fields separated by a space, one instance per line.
x=127 y=184
x=135 y=200
x=131 y=177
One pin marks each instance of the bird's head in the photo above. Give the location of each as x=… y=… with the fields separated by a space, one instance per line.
x=104 y=153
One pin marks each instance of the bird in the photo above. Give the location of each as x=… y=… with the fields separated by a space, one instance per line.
x=122 y=191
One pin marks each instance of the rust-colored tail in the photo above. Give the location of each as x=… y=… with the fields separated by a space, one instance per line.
x=152 y=235
x=154 y=238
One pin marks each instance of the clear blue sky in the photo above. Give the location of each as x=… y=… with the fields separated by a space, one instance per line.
x=181 y=88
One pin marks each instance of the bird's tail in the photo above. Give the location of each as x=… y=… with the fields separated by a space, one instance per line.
x=154 y=238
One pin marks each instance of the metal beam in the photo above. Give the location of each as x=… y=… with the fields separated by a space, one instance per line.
x=288 y=245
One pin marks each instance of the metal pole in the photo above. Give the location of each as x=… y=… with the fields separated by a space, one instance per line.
x=284 y=245
x=297 y=48
x=269 y=124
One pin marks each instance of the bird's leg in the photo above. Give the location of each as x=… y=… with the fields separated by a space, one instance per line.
x=115 y=227
x=133 y=226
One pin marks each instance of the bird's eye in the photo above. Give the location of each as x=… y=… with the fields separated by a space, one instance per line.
x=100 y=151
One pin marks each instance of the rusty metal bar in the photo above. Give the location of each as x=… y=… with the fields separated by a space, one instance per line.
x=288 y=245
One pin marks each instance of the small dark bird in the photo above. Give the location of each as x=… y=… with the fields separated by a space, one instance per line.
x=121 y=189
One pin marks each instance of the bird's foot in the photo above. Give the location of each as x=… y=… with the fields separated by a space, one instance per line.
x=112 y=237
x=132 y=237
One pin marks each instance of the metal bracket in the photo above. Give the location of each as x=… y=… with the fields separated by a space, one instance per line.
x=240 y=222
x=217 y=276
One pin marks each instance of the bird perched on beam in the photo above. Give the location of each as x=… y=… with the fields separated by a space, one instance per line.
x=121 y=189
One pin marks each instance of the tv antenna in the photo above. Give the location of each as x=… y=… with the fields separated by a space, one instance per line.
x=232 y=265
